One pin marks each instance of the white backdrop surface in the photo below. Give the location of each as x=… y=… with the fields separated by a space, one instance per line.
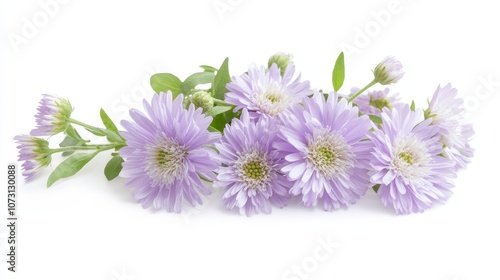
x=100 y=54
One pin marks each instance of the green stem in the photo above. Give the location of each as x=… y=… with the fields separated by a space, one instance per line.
x=83 y=124
x=111 y=135
x=85 y=148
x=222 y=102
x=362 y=90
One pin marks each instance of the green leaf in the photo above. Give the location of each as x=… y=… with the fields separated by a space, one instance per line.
x=111 y=127
x=108 y=123
x=375 y=119
x=69 y=141
x=111 y=135
x=70 y=167
x=208 y=68
x=213 y=129
x=221 y=80
x=163 y=82
x=113 y=168
x=199 y=78
x=71 y=132
x=376 y=187
x=72 y=138
x=338 y=74
x=218 y=110
x=412 y=107
x=219 y=122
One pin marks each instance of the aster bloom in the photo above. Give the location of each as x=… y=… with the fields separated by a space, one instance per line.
x=373 y=102
x=266 y=92
x=407 y=162
x=250 y=174
x=447 y=113
x=388 y=71
x=167 y=153
x=53 y=116
x=34 y=152
x=323 y=143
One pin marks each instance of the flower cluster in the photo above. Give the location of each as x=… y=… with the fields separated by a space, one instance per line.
x=266 y=136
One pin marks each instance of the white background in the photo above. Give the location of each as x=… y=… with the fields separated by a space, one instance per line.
x=100 y=54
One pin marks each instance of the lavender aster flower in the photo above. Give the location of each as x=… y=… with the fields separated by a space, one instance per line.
x=447 y=113
x=407 y=162
x=325 y=152
x=388 y=71
x=34 y=152
x=167 y=153
x=53 y=116
x=250 y=172
x=265 y=92
x=373 y=102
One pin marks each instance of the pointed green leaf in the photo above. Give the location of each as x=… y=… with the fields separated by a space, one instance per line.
x=338 y=74
x=375 y=119
x=208 y=68
x=113 y=168
x=71 y=132
x=212 y=129
x=163 y=82
x=218 y=110
x=199 y=78
x=108 y=123
x=70 y=167
x=219 y=122
x=412 y=107
x=376 y=187
x=70 y=141
x=221 y=80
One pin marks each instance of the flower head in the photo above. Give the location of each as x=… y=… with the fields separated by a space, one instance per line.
x=265 y=92
x=407 y=162
x=373 y=102
x=282 y=60
x=388 y=71
x=447 y=113
x=34 y=152
x=250 y=172
x=53 y=116
x=167 y=153
x=323 y=143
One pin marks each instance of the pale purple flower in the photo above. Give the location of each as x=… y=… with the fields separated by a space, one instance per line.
x=388 y=71
x=53 y=116
x=250 y=174
x=407 y=162
x=373 y=102
x=266 y=92
x=447 y=113
x=34 y=152
x=326 y=152
x=166 y=154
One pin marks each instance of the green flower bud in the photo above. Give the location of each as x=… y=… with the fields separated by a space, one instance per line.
x=282 y=60
x=201 y=99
